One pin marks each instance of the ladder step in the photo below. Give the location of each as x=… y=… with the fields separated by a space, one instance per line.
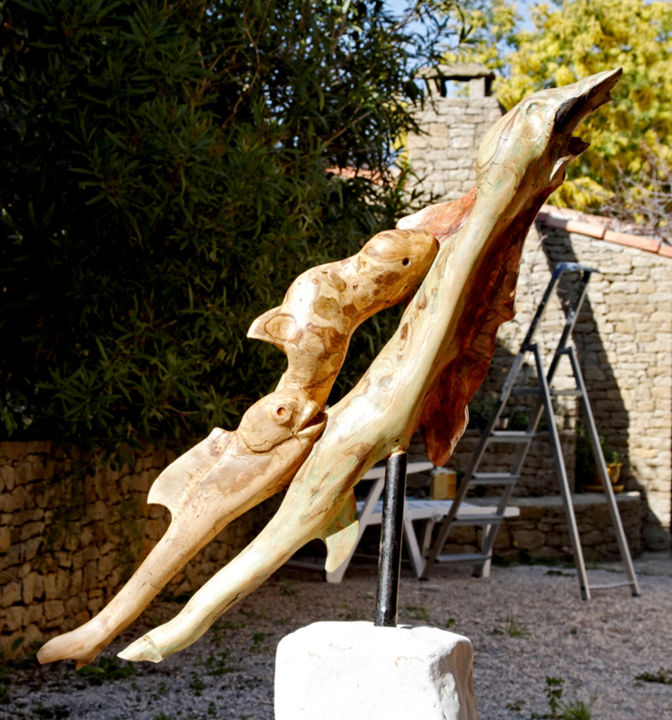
x=526 y=391
x=521 y=436
x=485 y=519
x=494 y=478
x=609 y=586
x=463 y=557
x=565 y=392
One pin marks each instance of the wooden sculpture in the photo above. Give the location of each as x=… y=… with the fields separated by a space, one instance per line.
x=424 y=377
x=229 y=472
x=325 y=304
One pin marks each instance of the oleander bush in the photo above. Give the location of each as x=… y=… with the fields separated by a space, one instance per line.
x=168 y=168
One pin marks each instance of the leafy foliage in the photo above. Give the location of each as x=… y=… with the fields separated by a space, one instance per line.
x=559 y=709
x=166 y=176
x=106 y=669
x=572 y=39
x=492 y=26
x=643 y=203
x=663 y=676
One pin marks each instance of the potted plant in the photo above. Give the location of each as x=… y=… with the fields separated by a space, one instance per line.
x=586 y=468
x=613 y=460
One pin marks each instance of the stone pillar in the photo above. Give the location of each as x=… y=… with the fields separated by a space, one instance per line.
x=336 y=670
x=444 y=154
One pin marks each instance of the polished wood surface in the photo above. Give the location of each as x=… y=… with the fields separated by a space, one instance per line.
x=325 y=305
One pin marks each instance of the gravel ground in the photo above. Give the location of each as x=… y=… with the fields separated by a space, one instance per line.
x=525 y=622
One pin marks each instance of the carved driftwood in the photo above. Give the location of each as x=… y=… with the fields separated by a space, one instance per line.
x=325 y=305
x=431 y=367
x=229 y=472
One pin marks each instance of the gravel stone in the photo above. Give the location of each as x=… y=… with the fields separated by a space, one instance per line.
x=526 y=623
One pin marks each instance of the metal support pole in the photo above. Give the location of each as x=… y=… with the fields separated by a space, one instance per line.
x=391 y=536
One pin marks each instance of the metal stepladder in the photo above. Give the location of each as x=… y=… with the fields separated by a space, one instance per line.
x=523 y=439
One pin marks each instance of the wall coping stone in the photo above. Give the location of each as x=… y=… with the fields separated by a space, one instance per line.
x=456 y=71
x=578 y=499
x=15 y=449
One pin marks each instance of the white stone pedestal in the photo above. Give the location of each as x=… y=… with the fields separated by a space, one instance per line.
x=355 y=671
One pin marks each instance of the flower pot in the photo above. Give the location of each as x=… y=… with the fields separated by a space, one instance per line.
x=614 y=472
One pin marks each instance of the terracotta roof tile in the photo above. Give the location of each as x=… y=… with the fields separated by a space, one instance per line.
x=599 y=227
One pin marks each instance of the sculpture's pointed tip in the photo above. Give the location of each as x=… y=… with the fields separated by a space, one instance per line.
x=258 y=331
x=79 y=645
x=341 y=536
x=275 y=326
x=142 y=649
x=46 y=653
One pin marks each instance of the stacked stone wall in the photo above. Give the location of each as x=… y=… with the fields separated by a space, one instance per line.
x=624 y=342
x=541 y=530
x=71 y=534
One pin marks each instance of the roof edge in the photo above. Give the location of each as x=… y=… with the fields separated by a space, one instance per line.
x=599 y=227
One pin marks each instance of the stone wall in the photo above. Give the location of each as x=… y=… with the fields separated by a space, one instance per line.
x=624 y=341
x=541 y=533
x=70 y=536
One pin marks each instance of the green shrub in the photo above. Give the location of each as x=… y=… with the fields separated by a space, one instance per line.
x=164 y=180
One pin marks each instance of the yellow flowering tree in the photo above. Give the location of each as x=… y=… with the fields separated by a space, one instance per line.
x=571 y=39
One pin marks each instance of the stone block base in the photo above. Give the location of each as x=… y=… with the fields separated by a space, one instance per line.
x=336 y=670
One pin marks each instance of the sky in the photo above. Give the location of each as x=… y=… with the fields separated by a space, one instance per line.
x=398 y=6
